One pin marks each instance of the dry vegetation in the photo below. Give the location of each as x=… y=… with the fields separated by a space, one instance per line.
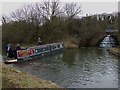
x=115 y=51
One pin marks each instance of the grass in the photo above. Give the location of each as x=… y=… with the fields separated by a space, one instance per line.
x=115 y=51
x=12 y=78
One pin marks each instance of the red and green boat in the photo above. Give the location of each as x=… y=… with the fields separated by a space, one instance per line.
x=36 y=52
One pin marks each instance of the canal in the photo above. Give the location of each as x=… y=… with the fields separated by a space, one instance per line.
x=76 y=68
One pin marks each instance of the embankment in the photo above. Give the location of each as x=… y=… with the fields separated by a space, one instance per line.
x=115 y=51
x=70 y=42
x=12 y=78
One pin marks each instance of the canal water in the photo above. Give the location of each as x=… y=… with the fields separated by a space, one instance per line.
x=76 y=68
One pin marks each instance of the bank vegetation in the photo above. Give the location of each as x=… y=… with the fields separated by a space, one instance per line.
x=56 y=22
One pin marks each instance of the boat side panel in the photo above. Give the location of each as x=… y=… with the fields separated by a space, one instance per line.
x=40 y=51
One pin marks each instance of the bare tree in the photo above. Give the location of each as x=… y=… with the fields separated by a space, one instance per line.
x=72 y=9
x=17 y=15
x=36 y=13
x=23 y=14
x=5 y=19
x=50 y=10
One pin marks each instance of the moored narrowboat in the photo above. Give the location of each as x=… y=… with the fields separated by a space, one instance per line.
x=37 y=52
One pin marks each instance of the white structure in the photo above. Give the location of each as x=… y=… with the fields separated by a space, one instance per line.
x=108 y=41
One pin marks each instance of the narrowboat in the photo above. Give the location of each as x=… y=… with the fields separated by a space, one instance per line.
x=37 y=52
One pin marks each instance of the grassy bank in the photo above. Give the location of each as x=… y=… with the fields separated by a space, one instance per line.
x=115 y=51
x=12 y=78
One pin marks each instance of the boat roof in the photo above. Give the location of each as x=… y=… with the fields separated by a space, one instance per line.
x=47 y=45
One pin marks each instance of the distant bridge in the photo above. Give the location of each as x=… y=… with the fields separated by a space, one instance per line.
x=109 y=40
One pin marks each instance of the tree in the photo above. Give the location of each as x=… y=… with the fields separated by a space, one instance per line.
x=72 y=9
x=5 y=19
x=51 y=10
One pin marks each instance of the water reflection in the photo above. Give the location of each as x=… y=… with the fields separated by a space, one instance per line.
x=77 y=68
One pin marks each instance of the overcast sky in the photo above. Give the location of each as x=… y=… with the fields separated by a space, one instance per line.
x=86 y=7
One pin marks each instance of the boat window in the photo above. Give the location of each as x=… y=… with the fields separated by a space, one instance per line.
x=53 y=47
x=61 y=45
x=58 y=46
x=43 y=49
x=46 y=48
x=40 y=50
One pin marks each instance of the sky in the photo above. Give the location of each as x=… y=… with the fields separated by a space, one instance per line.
x=91 y=7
